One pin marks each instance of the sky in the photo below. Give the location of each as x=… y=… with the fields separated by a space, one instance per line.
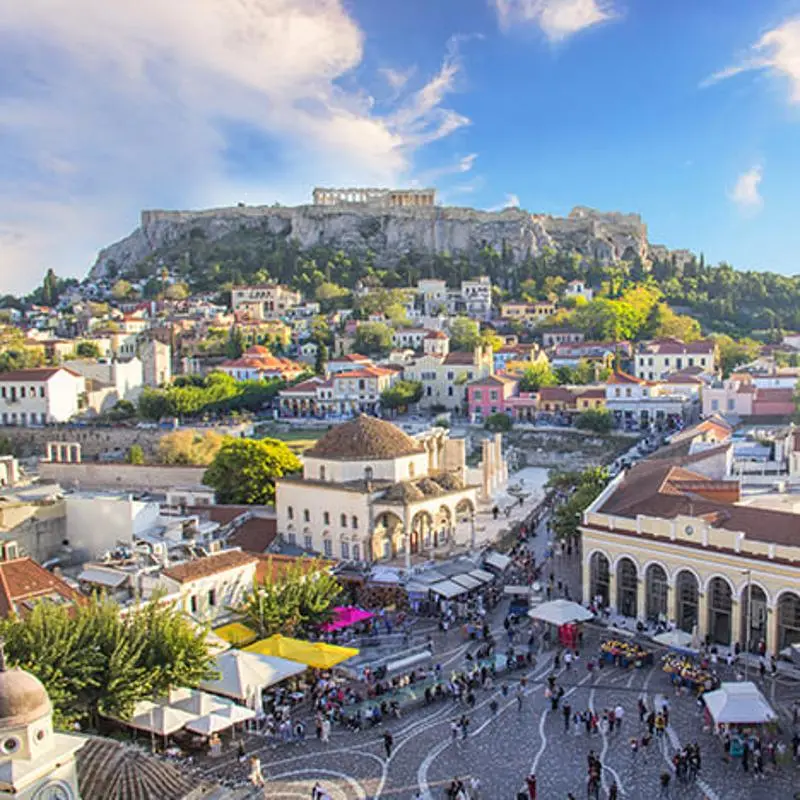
x=685 y=111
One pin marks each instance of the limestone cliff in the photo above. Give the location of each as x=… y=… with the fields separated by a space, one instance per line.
x=390 y=233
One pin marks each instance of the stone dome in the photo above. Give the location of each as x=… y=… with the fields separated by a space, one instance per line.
x=23 y=698
x=364 y=439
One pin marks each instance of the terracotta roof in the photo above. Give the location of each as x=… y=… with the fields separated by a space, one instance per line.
x=596 y=392
x=670 y=346
x=655 y=489
x=113 y=770
x=351 y=357
x=437 y=335
x=365 y=438
x=311 y=385
x=272 y=565
x=209 y=565
x=682 y=377
x=555 y=393
x=255 y=535
x=365 y=372
x=219 y=513
x=22 y=579
x=623 y=377
x=35 y=374
x=460 y=359
x=494 y=380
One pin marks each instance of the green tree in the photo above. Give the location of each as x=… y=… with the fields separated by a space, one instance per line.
x=244 y=470
x=401 y=395
x=734 y=353
x=87 y=350
x=665 y=323
x=50 y=288
x=291 y=601
x=535 y=377
x=498 y=423
x=177 y=291
x=122 y=290
x=374 y=338
x=331 y=295
x=321 y=359
x=465 y=334
x=598 y=420
x=584 y=487
x=135 y=454
x=187 y=446
x=235 y=344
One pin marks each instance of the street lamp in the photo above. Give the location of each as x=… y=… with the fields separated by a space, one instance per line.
x=749 y=621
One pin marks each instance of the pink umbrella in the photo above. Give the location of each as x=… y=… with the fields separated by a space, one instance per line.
x=345 y=617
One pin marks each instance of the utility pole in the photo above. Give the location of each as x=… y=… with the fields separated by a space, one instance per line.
x=749 y=621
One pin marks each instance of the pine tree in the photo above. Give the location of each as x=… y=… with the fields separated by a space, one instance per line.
x=235 y=345
x=321 y=361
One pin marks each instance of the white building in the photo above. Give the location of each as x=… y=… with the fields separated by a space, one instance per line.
x=657 y=359
x=156 y=362
x=578 y=288
x=638 y=403
x=40 y=396
x=265 y=300
x=476 y=297
x=434 y=295
x=369 y=491
x=124 y=377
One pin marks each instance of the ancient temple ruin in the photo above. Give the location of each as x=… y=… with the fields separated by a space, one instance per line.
x=375 y=198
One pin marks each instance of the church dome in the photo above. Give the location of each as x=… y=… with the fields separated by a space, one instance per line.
x=23 y=698
x=363 y=439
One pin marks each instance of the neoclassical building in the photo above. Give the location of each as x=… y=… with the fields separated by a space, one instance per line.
x=371 y=492
x=671 y=539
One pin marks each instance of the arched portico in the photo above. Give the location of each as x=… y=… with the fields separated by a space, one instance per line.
x=719 y=595
x=687 y=589
x=599 y=578
x=387 y=538
x=656 y=592
x=421 y=527
x=754 y=623
x=788 y=624
x=464 y=521
x=627 y=587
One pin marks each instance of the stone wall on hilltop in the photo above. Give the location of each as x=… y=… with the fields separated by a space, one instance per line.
x=392 y=232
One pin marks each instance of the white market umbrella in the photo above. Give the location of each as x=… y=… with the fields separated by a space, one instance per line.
x=236 y=714
x=738 y=704
x=677 y=639
x=243 y=674
x=208 y=724
x=200 y=703
x=161 y=720
x=560 y=612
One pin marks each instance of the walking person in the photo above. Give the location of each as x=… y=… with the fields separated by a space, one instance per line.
x=664 y=783
x=326 y=731
x=388 y=741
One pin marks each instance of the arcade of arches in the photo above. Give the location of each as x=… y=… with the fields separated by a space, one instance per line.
x=712 y=608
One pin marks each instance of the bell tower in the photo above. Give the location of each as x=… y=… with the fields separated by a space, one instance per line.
x=36 y=763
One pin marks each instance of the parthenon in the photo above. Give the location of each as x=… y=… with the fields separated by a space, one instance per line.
x=375 y=197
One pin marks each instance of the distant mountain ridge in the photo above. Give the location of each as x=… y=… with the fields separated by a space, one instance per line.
x=390 y=233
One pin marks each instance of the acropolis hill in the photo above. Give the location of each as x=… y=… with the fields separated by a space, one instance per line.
x=390 y=223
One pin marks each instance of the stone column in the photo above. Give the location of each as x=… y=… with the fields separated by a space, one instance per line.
x=498 y=452
x=702 y=616
x=612 y=589
x=486 y=487
x=49 y=451
x=773 y=632
x=672 y=603
x=737 y=609
x=472 y=542
x=64 y=453
x=586 y=580
x=407 y=546
x=641 y=599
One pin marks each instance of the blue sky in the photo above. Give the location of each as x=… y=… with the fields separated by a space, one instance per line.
x=687 y=111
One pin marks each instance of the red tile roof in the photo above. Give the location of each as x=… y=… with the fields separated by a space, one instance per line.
x=460 y=359
x=365 y=372
x=210 y=565
x=437 y=335
x=623 y=377
x=255 y=535
x=36 y=374
x=22 y=579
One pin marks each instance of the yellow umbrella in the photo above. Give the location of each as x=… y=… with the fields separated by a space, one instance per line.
x=237 y=634
x=315 y=654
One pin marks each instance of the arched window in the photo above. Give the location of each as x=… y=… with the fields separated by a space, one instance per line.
x=354 y=522
x=326 y=518
x=290 y=512
x=306 y=515
x=322 y=473
x=343 y=520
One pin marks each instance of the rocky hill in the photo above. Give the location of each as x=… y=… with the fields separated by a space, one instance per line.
x=388 y=233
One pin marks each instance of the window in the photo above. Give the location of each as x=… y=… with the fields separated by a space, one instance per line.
x=290 y=512
x=3 y=392
x=345 y=550
x=354 y=522
x=356 y=552
x=617 y=392
x=322 y=473
x=306 y=515
x=212 y=597
x=493 y=395
x=193 y=604
x=326 y=518
x=715 y=405
x=5 y=418
x=291 y=538
x=731 y=404
x=494 y=409
x=343 y=520
x=449 y=391
x=450 y=376
x=628 y=393
x=308 y=542
x=691 y=362
x=476 y=395
x=327 y=546
x=678 y=362
x=666 y=362
x=33 y=391
x=469 y=375
x=22 y=391
x=428 y=391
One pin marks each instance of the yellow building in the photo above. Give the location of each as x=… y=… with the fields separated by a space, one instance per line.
x=671 y=540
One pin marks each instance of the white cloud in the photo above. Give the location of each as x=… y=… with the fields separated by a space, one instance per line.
x=745 y=193
x=558 y=19
x=397 y=79
x=778 y=51
x=511 y=201
x=110 y=107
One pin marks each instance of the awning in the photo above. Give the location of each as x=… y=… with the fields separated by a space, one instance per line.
x=482 y=575
x=497 y=561
x=104 y=577
x=208 y=724
x=448 y=589
x=677 y=640
x=314 y=654
x=345 y=616
x=738 y=704
x=161 y=720
x=237 y=634
x=560 y=612
x=467 y=581
x=200 y=703
x=428 y=576
x=409 y=661
x=242 y=675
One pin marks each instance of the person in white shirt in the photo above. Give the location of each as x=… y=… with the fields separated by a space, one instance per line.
x=619 y=713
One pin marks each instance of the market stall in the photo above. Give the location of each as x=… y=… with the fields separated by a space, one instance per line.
x=566 y=616
x=740 y=709
x=625 y=653
x=243 y=675
x=345 y=617
x=687 y=670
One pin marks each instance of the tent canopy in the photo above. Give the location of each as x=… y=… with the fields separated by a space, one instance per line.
x=200 y=703
x=162 y=720
x=738 y=703
x=345 y=616
x=467 y=581
x=560 y=612
x=208 y=724
x=241 y=673
x=482 y=575
x=237 y=634
x=448 y=589
x=314 y=654
x=497 y=561
x=677 y=640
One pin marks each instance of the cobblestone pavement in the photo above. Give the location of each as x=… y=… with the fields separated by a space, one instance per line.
x=502 y=749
